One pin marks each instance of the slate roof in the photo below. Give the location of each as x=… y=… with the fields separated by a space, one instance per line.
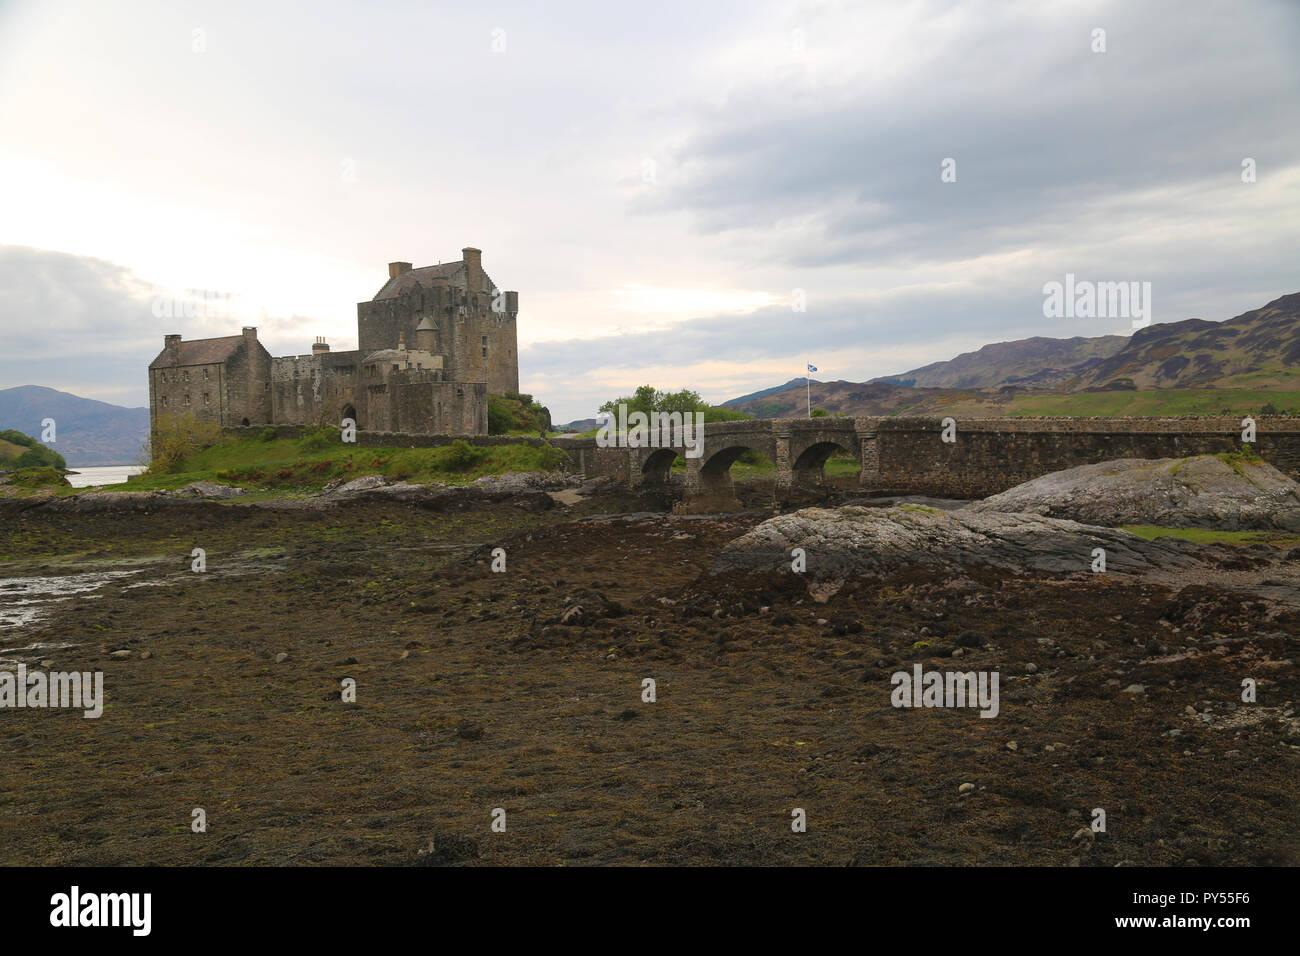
x=201 y=351
x=409 y=280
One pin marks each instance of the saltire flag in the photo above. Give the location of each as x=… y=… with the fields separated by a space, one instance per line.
x=812 y=368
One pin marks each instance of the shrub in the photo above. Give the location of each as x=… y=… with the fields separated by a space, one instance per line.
x=176 y=437
x=268 y=434
x=460 y=455
x=316 y=439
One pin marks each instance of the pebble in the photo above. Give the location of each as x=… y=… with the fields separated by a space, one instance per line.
x=1084 y=833
x=281 y=657
x=120 y=655
x=966 y=788
x=1013 y=745
x=1135 y=689
x=1031 y=668
x=145 y=655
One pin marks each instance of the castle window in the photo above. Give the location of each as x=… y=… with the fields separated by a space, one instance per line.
x=185 y=376
x=205 y=374
x=268 y=387
x=206 y=399
x=164 y=401
x=483 y=344
x=187 y=399
x=164 y=377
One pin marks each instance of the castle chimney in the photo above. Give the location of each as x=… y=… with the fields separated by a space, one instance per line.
x=319 y=345
x=172 y=346
x=395 y=269
x=473 y=268
x=401 y=341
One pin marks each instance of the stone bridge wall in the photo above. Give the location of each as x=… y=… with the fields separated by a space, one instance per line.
x=992 y=455
x=907 y=455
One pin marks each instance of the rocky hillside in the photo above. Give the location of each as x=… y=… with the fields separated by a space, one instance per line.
x=1258 y=349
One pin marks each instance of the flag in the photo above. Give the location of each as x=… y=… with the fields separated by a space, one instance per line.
x=812 y=368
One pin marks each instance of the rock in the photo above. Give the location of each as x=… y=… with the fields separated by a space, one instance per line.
x=1013 y=746
x=1134 y=689
x=966 y=788
x=145 y=655
x=968 y=639
x=1083 y=834
x=207 y=490
x=281 y=657
x=121 y=654
x=573 y=616
x=357 y=485
x=446 y=850
x=516 y=483
x=1203 y=491
x=854 y=540
x=1031 y=668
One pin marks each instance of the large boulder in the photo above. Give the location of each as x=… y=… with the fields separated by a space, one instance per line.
x=1228 y=492
x=843 y=542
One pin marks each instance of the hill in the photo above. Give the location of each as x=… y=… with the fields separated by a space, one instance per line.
x=1257 y=349
x=23 y=451
x=1038 y=362
x=88 y=432
x=1193 y=367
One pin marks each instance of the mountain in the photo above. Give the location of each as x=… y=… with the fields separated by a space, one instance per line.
x=1172 y=368
x=87 y=432
x=752 y=396
x=1257 y=349
x=1038 y=362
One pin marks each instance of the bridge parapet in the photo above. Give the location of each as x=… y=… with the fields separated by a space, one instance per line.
x=908 y=456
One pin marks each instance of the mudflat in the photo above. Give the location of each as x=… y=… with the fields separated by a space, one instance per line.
x=523 y=690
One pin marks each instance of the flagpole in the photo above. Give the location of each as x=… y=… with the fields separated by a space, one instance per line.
x=808 y=384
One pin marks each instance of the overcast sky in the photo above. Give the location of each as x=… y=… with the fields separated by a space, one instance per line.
x=656 y=180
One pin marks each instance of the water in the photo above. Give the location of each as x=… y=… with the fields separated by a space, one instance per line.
x=103 y=475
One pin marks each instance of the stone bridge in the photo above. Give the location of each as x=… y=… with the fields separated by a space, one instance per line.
x=909 y=455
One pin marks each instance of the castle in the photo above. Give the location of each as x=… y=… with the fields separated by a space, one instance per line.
x=431 y=345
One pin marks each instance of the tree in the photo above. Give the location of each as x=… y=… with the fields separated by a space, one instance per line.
x=177 y=436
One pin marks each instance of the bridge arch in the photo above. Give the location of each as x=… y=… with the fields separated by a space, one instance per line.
x=657 y=467
x=810 y=466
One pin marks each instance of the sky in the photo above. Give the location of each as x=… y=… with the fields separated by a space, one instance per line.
x=690 y=195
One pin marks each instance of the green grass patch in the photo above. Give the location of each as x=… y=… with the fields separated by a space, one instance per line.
x=1154 y=402
x=303 y=465
x=1281 y=539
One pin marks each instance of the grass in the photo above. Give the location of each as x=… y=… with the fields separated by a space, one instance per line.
x=1150 y=532
x=306 y=464
x=1154 y=402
